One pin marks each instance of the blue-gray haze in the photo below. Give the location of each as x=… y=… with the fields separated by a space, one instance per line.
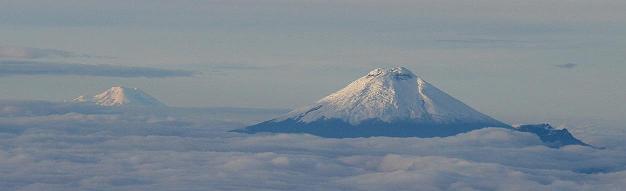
x=519 y=61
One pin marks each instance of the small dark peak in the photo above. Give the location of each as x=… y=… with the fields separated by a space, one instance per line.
x=553 y=137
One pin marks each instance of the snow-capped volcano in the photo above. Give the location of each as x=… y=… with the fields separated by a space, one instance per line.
x=393 y=94
x=386 y=101
x=120 y=96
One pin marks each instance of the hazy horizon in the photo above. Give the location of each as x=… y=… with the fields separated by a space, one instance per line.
x=226 y=67
x=530 y=59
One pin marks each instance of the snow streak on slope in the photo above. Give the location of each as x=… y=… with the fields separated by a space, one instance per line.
x=121 y=96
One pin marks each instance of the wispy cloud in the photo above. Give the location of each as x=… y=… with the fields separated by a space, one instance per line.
x=17 y=52
x=567 y=66
x=486 y=43
x=234 y=66
x=13 y=68
x=225 y=68
x=479 y=41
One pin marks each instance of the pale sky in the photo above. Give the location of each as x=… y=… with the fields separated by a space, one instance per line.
x=514 y=60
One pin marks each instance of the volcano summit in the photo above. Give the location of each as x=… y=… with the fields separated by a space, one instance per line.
x=121 y=96
x=385 y=102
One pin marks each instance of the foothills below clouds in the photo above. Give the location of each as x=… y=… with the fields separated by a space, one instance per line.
x=15 y=67
x=61 y=146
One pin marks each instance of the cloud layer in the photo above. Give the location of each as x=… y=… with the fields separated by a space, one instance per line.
x=171 y=150
x=35 y=53
x=567 y=66
x=13 y=68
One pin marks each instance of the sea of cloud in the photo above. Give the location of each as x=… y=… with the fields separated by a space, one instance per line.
x=93 y=148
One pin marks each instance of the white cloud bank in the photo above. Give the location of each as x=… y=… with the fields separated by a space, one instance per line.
x=111 y=150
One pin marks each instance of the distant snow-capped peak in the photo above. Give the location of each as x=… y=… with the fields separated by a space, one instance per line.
x=388 y=95
x=120 y=96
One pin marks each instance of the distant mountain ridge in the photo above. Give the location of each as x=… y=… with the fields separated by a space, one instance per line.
x=121 y=96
